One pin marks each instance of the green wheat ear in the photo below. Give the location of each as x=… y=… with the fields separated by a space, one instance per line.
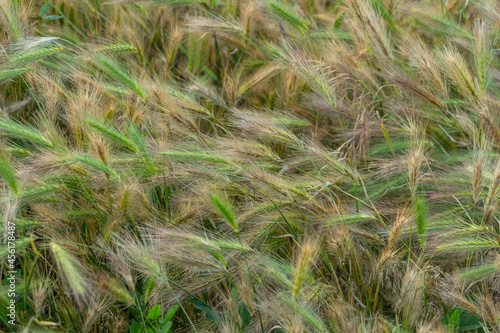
x=421 y=219
x=8 y=174
x=225 y=209
x=117 y=291
x=470 y=244
x=279 y=9
x=70 y=268
x=119 y=48
x=479 y=273
x=28 y=133
x=34 y=55
x=113 y=134
x=94 y=163
x=39 y=192
x=10 y=74
x=188 y=156
x=119 y=74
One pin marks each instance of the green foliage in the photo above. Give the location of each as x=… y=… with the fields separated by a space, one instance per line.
x=215 y=316
x=156 y=323
x=460 y=320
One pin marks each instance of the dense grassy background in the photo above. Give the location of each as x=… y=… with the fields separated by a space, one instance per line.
x=251 y=165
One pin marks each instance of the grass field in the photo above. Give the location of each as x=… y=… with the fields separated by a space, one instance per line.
x=250 y=166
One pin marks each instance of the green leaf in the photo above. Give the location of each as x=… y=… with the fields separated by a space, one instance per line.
x=45 y=8
x=151 y=284
x=470 y=323
x=245 y=315
x=135 y=327
x=454 y=318
x=170 y=313
x=461 y=320
x=52 y=17
x=166 y=328
x=154 y=313
x=211 y=315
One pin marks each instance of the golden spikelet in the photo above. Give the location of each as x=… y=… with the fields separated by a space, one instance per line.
x=303 y=263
